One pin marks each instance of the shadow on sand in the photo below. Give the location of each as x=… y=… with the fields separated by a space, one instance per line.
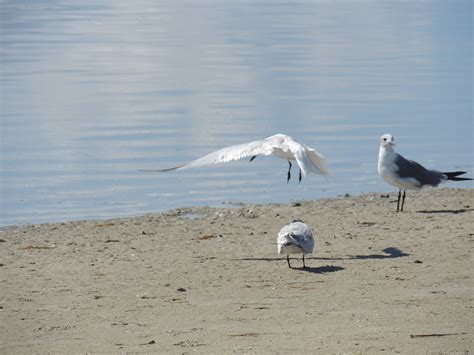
x=389 y=253
x=320 y=270
x=460 y=210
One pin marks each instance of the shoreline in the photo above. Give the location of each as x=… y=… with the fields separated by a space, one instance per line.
x=377 y=281
x=222 y=205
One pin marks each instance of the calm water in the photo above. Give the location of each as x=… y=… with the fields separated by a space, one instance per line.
x=92 y=93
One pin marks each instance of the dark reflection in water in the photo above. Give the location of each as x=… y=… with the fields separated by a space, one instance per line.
x=91 y=93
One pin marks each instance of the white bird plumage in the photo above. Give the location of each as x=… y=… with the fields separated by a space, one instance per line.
x=295 y=238
x=280 y=145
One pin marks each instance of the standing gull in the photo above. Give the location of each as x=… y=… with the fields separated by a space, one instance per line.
x=280 y=145
x=295 y=238
x=408 y=174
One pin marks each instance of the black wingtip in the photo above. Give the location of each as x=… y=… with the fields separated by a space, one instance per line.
x=161 y=170
x=453 y=175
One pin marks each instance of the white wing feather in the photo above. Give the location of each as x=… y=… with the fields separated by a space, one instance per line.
x=319 y=161
x=231 y=153
x=309 y=161
x=227 y=154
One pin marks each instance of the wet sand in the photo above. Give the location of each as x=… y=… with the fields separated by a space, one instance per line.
x=209 y=280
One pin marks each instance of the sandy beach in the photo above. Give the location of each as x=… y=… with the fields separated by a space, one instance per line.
x=209 y=280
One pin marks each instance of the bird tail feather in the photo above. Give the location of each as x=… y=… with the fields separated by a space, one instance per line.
x=319 y=161
x=453 y=175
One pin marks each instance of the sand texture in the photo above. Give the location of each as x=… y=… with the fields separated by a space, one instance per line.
x=210 y=281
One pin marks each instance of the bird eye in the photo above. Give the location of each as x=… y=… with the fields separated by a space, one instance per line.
x=385 y=139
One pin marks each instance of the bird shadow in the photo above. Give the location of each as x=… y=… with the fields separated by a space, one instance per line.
x=457 y=211
x=320 y=269
x=314 y=270
x=389 y=253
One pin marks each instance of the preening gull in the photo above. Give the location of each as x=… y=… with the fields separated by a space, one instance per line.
x=295 y=238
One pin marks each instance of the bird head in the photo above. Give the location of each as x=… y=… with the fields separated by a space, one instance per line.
x=387 y=140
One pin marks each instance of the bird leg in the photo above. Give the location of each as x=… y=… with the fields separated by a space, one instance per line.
x=398 y=201
x=299 y=179
x=288 y=260
x=304 y=266
x=252 y=158
x=403 y=200
x=289 y=172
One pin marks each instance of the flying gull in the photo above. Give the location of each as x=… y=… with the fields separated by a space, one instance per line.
x=280 y=145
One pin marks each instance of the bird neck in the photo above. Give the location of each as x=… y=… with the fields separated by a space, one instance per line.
x=385 y=153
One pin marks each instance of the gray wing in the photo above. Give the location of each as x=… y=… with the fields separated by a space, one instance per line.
x=412 y=169
x=305 y=242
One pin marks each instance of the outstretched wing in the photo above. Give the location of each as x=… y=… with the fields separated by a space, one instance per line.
x=227 y=154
